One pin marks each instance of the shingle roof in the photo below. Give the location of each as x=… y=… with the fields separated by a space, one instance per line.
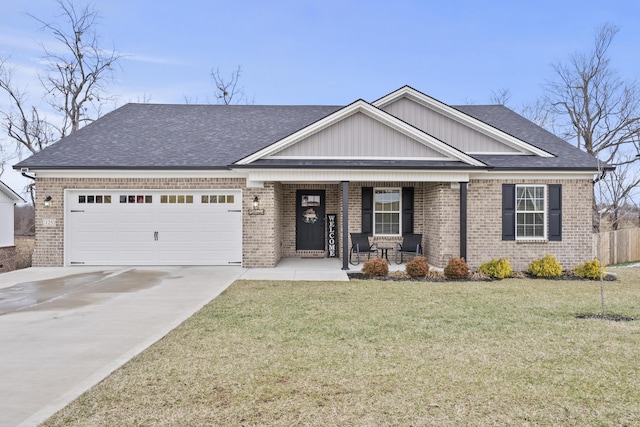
x=152 y=136
x=499 y=116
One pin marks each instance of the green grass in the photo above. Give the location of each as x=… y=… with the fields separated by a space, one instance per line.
x=370 y=353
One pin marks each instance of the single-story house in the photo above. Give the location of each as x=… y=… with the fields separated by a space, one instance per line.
x=8 y=200
x=248 y=185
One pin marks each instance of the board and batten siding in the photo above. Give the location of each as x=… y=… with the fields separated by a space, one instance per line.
x=359 y=136
x=446 y=129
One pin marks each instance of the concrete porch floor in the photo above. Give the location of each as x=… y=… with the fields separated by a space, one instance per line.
x=312 y=269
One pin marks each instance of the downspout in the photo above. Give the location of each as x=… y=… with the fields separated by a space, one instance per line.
x=601 y=177
x=604 y=171
x=24 y=173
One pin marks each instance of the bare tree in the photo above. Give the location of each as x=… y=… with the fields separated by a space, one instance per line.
x=227 y=90
x=537 y=112
x=73 y=82
x=596 y=108
x=22 y=122
x=501 y=96
x=75 y=78
x=616 y=192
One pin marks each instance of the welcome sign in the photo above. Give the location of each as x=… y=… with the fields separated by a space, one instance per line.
x=332 y=239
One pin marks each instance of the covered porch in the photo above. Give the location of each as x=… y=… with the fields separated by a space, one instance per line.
x=431 y=203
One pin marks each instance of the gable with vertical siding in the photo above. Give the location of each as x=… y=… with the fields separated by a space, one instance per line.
x=359 y=136
x=446 y=129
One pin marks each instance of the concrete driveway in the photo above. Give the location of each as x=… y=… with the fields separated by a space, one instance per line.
x=62 y=330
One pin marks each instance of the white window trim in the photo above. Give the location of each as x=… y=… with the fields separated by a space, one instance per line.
x=399 y=189
x=545 y=214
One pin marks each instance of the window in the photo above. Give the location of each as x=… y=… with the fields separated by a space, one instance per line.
x=218 y=198
x=140 y=198
x=530 y=211
x=386 y=205
x=99 y=198
x=176 y=198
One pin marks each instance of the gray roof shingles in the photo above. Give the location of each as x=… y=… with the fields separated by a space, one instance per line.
x=151 y=136
x=567 y=156
x=154 y=136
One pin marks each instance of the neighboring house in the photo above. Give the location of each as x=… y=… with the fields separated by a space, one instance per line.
x=176 y=184
x=8 y=200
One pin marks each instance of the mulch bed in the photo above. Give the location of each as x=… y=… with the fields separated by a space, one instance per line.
x=565 y=276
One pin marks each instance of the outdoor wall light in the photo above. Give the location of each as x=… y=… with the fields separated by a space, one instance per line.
x=47 y=201
x=256 y=207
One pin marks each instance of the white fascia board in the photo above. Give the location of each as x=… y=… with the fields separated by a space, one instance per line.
x=531 y=175
x=119 y=173
x=460 y=117
x=363 y=107
x=337 y=175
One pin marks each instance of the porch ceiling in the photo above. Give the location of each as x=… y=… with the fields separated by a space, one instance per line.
x=333 y=175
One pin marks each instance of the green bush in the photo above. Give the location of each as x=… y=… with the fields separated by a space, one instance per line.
x=497 y=268
x=376 y=267
x=545 y=267
x=418 y=267
x=589 y=270
x=456 y=268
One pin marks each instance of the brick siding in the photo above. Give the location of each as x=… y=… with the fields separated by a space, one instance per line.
x=269 y=237
x=261 y=234
x=484 y=226
x=8 y=258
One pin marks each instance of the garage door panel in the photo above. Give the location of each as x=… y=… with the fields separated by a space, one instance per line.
x=145 y=231
x=88 y=239
x=135 y=257
x=133 y=220
x=131 y=236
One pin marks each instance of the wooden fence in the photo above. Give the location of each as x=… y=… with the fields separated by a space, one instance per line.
x=618 y=246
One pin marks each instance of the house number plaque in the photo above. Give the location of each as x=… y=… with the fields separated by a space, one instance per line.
x=49 y=222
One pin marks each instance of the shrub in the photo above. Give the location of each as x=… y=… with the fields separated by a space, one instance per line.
x=589 y=270
x=456 y=268
x=418 y=267
x=497 y=268
x=545 y=267
x=436 y=275
x=376 y=267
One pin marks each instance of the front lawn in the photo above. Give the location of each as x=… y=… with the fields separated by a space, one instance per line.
x=378 y=353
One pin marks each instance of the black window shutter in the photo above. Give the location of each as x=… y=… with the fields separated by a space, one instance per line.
x=555 y=212
x=508 y=212
x=407 y=210
x=367 y=210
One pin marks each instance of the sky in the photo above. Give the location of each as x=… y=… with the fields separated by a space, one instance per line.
x=328 y=52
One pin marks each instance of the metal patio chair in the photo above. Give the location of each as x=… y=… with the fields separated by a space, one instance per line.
x=411 y=244
x=360 y=245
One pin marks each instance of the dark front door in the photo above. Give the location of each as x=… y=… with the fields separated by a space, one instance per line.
x=310 y=220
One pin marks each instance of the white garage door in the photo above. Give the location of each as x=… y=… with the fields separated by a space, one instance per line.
x=153 y=227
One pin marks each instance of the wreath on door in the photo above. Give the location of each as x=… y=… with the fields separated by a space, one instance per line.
x=309 y=216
